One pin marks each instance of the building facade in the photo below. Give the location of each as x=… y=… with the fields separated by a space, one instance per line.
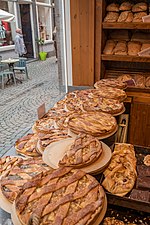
x=35 y=18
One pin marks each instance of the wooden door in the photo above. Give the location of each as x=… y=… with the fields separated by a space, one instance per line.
x=82 y=41
x=139 y=127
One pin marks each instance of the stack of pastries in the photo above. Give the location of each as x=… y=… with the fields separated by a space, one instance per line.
x=120 y=176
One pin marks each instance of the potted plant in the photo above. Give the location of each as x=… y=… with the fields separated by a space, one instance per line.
x=42 y=54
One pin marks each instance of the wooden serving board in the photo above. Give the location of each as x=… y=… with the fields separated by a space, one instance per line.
x=55 y=152
x=4 y=203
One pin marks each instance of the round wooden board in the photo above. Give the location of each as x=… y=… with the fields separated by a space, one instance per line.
x=55 y=152
x=119 y=113
x=14 y=216
x=4 y=203
x=102 y=214
x=72 y=134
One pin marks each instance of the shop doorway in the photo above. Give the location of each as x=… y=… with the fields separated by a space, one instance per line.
x=26 y=29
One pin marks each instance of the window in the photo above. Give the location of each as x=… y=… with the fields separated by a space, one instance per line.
x=45 y=21
x=7 y=30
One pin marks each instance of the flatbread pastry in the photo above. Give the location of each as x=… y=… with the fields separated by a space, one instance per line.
x=110 y=82
x=147 y=160
x=85 y=150
x=63 y=196
x=27 y=145
x=19 y=175
x=93 y=123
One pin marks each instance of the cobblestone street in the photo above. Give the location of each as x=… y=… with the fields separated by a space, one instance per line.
x=18 y=105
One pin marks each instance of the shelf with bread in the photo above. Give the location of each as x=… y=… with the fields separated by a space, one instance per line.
x=126 y=58
x=122 y=25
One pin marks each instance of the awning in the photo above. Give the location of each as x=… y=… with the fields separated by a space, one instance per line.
x=5 y=16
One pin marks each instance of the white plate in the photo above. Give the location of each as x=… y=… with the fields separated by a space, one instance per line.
x=54 y=152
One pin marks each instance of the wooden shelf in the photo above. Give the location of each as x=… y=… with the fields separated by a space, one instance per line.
x=143 y=26
x=125 y=58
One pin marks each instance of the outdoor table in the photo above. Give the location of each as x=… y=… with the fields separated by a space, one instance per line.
x=11 y=62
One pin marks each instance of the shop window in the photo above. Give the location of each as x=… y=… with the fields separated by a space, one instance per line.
x=44 y=19
x=7 y=30
x=43 y=1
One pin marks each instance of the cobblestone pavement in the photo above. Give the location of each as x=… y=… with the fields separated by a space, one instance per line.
x=18 y=105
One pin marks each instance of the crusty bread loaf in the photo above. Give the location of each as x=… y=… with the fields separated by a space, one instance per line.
x=124 y=77
x=139 y=7
x=111 y=17
x=120 y=48
x=134 y=47
x=125 y=6
x=138 y=17
x=113 y=7
x=108 y=50
x=125 y=16
x=139 y=81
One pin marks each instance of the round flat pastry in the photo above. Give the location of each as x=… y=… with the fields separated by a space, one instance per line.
x=109 y=92
x=53 y=136
x=120 y=180
x=93 y=123
x=27 y=145
x=106 y=105
x=110 y=82
x=85 y=150
x=63 y=196
x=69 y=104
x=7 y=163
x=19 y=175
x=43 y=125
x=147 y=160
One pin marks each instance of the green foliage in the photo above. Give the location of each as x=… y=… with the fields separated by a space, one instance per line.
x=41 y=43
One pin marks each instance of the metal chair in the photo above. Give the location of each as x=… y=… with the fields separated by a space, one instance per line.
x=21 y=65
x=7 y=74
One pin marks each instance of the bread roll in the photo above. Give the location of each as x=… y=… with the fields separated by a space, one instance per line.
x=111 y=17
x=121 y=48
x=108 y=50
x=125 y=6
x=139 y=7
x=113 y=7
x=138 y=17
x=134 y=47
x=125 y=16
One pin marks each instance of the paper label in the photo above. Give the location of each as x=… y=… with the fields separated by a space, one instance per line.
x=41 y=111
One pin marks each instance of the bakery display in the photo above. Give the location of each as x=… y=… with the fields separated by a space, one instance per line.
x=27 y=145
x=108 y=49
x=62 y=196
x=46 y=139
x=125 y=16
x=97 y=124
x=120 y=48
x=110 y=82
x=120 y=176
x=113 y=7
x=126 y=6
x=22 y=172
x=139 y=7
x=111 y=17
x=85 y=150
x=133 y=47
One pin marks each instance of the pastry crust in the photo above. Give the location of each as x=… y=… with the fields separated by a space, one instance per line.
x=22 y=172
x=147 y=160
x=120 y=48
x=125 y=16
x=125 y=6
x=134 y=47
x=113 y=7
x=110 y=82
x=138 y=17
x=139 y=7
x=85 y=150
x=111 y=17
x=112 y=221
x=7 y=163
x=93 y=123
x=139 y=81
x=63 y=196
x=124 y=77
x=27 y=145
x=108 y=50
x=147 y=82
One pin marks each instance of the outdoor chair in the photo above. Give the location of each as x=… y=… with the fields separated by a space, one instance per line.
x=21 y=66
x=7 y=74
